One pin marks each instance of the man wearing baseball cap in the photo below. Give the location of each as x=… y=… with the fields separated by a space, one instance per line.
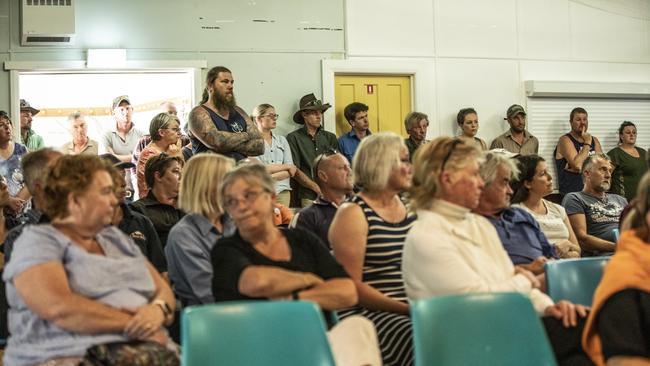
x=517 y=139
x=309 y=141
x=31 y=140
x=121 y=140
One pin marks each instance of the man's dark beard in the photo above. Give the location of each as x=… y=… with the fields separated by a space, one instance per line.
x=221 y=101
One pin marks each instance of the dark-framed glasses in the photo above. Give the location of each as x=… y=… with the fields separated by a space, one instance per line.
x=271 y=116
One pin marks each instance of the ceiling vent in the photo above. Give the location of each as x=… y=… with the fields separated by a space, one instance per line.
x=47 y=23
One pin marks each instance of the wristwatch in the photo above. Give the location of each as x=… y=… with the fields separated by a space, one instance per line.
x=167 y=311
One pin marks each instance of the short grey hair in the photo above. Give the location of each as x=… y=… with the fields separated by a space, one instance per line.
x=375 y=159
x=591 y=159
x=492 y=161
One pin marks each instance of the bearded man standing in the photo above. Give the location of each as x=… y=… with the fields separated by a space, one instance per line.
x=219 y=125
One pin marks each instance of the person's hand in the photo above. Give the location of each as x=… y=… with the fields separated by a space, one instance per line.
x=15 y=204
x=147 y=319
x=311 y=280
x=567 y=311
x=159 y=337
x=292 y=169
x=537 y=266
x=4 y=195
x=586 y=137
x=565 y=249
x=529 y=275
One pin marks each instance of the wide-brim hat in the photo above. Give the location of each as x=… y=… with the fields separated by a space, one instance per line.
x=116 y=162
x=309 y=103
x=25 y=106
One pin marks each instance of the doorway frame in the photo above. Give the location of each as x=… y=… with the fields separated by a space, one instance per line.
x=16 y=68
x=421 y=72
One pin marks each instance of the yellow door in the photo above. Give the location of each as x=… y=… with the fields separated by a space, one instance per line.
x=388 y=99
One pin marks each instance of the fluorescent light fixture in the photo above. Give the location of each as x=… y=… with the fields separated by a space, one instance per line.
x=106 y=58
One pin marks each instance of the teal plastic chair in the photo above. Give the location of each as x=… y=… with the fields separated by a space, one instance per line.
x=574 y=279
x=479 y=329
x=254 y=333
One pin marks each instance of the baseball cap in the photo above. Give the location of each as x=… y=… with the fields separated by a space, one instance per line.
x=514 y=110
x=120 y=99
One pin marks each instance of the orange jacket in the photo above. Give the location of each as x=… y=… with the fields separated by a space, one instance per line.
x=628 y=268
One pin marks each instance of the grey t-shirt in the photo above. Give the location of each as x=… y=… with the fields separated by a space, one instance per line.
x=120 y=146
x=602 y=214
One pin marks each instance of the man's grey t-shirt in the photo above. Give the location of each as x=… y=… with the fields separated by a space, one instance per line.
x=601 y=214
x=121 y=146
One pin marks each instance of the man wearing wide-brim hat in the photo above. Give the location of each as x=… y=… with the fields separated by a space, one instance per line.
x=310 y=141
x=31 y=140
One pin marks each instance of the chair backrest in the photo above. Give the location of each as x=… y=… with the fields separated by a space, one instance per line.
x=255 y=333
x=479 y=329
x=574 y=279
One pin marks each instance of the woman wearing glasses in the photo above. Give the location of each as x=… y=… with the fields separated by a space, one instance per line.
x=277 y=155
x=262 y=261
x=165 y=130
x=367 y=235
x=451 y=250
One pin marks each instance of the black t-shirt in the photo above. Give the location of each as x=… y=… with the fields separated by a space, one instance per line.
x=624 y=324
x=230 y=256
x=141 y=230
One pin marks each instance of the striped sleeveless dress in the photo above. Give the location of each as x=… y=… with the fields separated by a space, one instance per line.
x=382 y=269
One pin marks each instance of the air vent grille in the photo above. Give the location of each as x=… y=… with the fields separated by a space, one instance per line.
x=48 y=2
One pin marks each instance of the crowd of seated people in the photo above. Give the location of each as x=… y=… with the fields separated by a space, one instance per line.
x=380 y=221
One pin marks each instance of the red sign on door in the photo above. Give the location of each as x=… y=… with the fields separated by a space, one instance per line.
x=370 y=89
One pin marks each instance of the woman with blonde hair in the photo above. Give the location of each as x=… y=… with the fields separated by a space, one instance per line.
x=367 y=235
x=451 y=250
x=617 y=329
x=190 y=241
x=165 y=131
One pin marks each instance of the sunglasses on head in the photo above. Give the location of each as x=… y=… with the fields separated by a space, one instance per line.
x=328 y=152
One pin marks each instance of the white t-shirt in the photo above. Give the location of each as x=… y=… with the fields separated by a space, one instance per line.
x=552 y=224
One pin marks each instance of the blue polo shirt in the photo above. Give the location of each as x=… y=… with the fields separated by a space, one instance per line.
x=349 y=143
x=521 y=236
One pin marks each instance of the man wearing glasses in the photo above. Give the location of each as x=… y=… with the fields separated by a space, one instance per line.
x=122 y=140
x=309 y=141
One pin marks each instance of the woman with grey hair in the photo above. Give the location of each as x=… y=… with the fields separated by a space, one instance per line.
x=451 y=250
x=367 y=235
x=165 y=131
x=264 y=262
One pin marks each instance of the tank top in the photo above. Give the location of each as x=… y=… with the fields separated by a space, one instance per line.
x=567 y=180
x=235 y=123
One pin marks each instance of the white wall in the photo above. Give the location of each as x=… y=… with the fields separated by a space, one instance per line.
x=483 y=51
x=273 y=47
